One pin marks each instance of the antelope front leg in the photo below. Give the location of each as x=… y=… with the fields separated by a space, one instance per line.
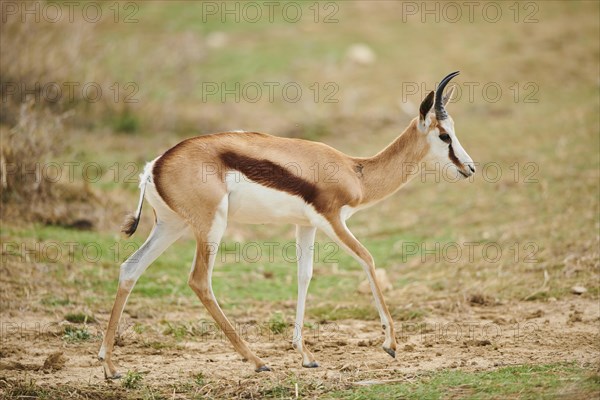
x=342 y=235
x=305 y=239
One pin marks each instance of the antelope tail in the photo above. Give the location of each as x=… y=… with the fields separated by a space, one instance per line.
x=132 y=220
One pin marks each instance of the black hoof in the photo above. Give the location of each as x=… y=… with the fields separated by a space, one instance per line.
x=263 y=368
x=312 y=364
x=391 y=352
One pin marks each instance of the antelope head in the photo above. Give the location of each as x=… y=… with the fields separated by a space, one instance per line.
x=438 y=126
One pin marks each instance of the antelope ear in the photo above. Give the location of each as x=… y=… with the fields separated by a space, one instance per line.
x=448 y=96
x=426 y=106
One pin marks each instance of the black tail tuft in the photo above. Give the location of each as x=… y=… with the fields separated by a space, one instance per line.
x=130 y=224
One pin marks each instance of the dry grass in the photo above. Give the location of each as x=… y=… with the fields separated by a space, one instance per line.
x=33 y=185
x=169 y=56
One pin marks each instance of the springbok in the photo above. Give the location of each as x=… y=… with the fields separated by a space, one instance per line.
x=255 y=178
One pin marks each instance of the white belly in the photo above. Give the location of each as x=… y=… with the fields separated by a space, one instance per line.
x=252 y=203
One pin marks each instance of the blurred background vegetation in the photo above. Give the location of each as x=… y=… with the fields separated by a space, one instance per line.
x=363 y=68
x=143 y=77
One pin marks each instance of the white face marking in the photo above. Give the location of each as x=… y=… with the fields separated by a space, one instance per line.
x=252 y=203
x=423 y=125
x=439 y=151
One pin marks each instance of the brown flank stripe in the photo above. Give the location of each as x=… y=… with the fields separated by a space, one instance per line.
x=271 y=175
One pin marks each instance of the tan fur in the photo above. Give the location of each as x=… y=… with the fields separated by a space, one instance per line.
x=188 y=188
x=392 y=167
x=190 y=179
x=110 y=370
x=342 y=180
x=183 y=165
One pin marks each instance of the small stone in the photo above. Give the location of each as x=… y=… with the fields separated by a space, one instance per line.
x=361 y=54
x=536 y=314
x=484 y=342
x=578 y=290
x=575 y=316
x=268 y=274
x=216 y=40
x=54 y=361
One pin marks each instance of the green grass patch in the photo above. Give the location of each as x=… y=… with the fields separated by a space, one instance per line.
x=199 y=379
x=132 y=380
x=79 y=318
x=156 y=345
x=522 y=381
x=180 y=330
x=338 y=312
x=73 y=334
x=277 y=323
x=125 y=122
x=55 y=301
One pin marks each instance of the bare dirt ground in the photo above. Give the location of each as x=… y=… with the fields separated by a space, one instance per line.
x=478 y=337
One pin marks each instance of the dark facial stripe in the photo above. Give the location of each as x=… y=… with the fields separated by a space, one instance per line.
x=453 y=157
x=451 y=154
x=444 y=136
x=271 y=175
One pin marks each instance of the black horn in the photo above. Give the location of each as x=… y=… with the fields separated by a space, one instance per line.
x=440 y=111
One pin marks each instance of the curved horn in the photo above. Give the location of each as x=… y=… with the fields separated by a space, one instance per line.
x=440 y=111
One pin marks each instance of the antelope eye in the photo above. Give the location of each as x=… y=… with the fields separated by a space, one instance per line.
x=445 y=137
